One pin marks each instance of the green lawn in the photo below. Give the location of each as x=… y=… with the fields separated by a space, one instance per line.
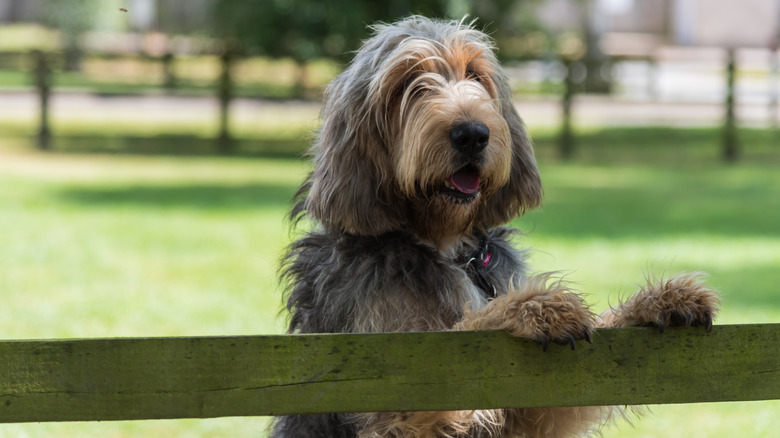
x=95 y=245
x=194 y=75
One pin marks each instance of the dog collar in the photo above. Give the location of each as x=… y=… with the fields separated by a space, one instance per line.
x=477 y=264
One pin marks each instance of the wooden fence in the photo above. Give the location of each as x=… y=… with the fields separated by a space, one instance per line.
x=225 y=90
x=203 y=377
x=45 y=65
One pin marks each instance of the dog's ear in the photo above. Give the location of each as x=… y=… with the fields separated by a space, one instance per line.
x=351 y=187
x=523 y=191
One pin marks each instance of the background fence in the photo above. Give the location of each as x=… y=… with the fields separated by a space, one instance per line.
x=570 y=83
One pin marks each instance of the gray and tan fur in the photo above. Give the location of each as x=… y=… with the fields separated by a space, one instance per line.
x=420 y=161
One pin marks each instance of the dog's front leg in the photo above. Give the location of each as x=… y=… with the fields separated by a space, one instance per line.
x=545 y=311
x=540 y=309
x=682 y=300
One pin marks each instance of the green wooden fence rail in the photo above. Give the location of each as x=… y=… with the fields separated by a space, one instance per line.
x=202 y=377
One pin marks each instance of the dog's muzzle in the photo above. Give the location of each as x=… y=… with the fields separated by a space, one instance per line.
x=469 y=139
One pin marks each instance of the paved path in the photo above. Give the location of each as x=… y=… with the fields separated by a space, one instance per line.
x=537 y=111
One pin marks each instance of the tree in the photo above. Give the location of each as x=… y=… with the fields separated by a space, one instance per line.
x=514 y=26
x=72 y=18
x=307 y=29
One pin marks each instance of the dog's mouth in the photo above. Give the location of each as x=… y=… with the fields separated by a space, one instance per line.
x=463 y=185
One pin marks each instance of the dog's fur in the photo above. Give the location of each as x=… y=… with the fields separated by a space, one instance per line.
x=410 y=234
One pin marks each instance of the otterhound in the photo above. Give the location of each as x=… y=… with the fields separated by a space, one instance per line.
x=420 y=160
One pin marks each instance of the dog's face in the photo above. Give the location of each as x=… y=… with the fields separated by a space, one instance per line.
x=448 y=141
x=420 y=134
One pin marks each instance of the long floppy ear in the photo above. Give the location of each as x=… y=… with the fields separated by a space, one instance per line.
x=524 y=189
x=352 y=186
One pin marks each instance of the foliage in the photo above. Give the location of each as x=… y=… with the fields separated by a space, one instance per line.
x=72 y=18
x=307 y=29
x=514 y=26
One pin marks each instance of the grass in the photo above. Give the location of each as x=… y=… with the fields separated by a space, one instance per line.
x=95 y=245
x=194 y=76
x=88 y=237
x=609 y=225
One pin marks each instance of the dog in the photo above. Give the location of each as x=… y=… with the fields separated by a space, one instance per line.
x=420 y=161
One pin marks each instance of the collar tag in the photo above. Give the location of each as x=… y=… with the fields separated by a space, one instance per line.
x=486 y=260
x=476 y=267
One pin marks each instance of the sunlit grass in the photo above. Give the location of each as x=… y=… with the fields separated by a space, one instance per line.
x=607 y=227
x=193 y=75
x=128 y=245
x=23 y=37
x=710 y=420
x=191 y=246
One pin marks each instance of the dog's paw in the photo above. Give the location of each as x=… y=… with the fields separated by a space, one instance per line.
x=683 y=300
x=540 y=310
x=560 y=317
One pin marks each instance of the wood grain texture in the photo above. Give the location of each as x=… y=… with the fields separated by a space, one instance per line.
x=202 y=377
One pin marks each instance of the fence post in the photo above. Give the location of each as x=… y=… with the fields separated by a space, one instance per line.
x=730 y=142
x=42 y=75
x=169 y=77
x=774 y=85
x=566 y=141
x=224 y=141
x=652 y=78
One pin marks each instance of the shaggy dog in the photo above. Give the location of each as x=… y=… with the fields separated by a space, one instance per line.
x=420 y=160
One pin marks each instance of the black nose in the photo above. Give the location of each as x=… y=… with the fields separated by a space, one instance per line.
x=469 y=137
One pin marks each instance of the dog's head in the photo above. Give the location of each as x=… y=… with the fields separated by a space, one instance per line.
x=420 y=133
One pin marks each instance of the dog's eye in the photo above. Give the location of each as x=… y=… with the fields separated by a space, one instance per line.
x=472 y=75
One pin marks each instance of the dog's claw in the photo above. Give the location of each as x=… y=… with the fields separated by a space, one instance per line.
x=589 y=336
x=545 y=343
x=569 y=340
x=689 y=321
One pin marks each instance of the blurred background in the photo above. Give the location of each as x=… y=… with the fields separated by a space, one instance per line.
x=149 y=150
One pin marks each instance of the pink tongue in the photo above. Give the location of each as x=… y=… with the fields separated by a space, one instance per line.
x=466 y=181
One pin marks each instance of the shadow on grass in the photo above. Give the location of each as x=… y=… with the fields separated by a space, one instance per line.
x=178 y=145
x=611 y=145
x=621 y=214
x=643 y=202
x=660 y=145
x=206 y=197
x=682 y=189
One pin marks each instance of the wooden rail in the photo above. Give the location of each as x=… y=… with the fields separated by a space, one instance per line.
x=44 y=71
x=201 y=377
